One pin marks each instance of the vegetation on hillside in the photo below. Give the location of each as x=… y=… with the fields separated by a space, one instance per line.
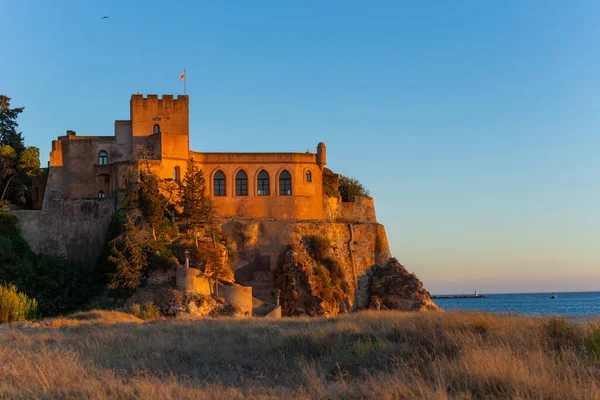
x=159 y=220
x=375 y=355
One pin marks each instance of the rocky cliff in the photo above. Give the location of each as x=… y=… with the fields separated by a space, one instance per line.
x=318 y=267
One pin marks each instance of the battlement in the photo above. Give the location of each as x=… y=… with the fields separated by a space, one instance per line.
x=152 y=100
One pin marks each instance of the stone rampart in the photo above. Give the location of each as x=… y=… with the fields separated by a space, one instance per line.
x=193 y=280
x=73 y=228
x=237 y=295
x=358 y=209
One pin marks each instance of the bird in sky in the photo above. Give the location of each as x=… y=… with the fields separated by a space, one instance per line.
x=105 y=17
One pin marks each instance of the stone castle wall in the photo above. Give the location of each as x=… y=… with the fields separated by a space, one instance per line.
x=74 y=228
x=358 y=209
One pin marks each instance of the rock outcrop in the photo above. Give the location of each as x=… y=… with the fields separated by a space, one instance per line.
x=391 y=286
x=312 y=285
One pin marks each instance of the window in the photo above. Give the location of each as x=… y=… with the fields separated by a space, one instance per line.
x=285 y=184
x=156 y=128
x=263 y=183
x=101 y=195
x=308 y=176
x=176 y=174
x=241 y=184
x=102 y=158
x=219 y=184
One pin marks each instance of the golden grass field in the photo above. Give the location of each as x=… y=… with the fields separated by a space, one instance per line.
x=382 y=355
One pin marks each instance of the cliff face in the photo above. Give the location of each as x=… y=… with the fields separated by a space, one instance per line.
x=262 y=246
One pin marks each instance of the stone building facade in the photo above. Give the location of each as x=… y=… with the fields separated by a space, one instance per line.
x=250 y=185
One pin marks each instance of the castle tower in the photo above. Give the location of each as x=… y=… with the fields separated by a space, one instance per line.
x=161 y=123
x=321 y=155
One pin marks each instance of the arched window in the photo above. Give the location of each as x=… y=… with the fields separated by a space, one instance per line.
x=156 y=128
x=102 y=158
x=241 y=184
x=263 y=183
x=219 y=184
x=285 y=184
x=308 y=176
x=101 y=195
x=176 y=174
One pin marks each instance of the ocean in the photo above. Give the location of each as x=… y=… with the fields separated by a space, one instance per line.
x=567 y=304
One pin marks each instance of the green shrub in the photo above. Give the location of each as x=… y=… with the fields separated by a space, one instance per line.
x=15 y=306
x=147 y=311
x=351 y=187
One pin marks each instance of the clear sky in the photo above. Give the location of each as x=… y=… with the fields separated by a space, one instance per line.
x=480 y=138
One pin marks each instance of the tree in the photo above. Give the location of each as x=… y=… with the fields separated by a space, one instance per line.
x=349 y=187
x=149 y=200
x=17 y=170
x=8 y=126
x=128 y=253
x=196 y=206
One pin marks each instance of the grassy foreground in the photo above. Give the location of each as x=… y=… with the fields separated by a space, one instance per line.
x=368 y=355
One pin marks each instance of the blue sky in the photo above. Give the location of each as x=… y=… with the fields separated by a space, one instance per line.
x=480 y=134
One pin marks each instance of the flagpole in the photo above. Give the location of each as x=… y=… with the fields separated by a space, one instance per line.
x=184 y=81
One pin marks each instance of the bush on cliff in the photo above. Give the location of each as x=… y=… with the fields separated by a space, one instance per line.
x=349 y=187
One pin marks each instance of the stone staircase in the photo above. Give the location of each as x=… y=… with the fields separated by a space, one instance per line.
x=263 y=299
x=262 y=290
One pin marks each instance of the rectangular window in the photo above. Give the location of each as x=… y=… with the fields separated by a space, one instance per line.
x=219 y=187
x=285 y=187
x=263 y=187
x=241 y=187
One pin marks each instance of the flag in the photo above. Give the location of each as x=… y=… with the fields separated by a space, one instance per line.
x=182 y=76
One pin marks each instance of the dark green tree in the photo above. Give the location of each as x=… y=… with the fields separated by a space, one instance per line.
x=349 y=187
x=8 y=126
x=196 y=206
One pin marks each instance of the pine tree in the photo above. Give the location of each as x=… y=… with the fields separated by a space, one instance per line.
x=196 y=206
x=193 y=199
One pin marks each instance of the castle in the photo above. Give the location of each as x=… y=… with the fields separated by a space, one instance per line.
x=247 y=185
x=268 y=203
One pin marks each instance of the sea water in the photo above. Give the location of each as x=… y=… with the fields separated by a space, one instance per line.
x=572 y=303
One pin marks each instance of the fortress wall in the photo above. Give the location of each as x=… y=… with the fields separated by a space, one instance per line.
x=191 y=279
x=73 y=228
x=358 y=209
x=237 y=295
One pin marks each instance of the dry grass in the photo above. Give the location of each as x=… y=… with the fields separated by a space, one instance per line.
x=383 y=355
